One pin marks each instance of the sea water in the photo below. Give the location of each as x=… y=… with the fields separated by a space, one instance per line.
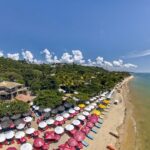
x=140 y=99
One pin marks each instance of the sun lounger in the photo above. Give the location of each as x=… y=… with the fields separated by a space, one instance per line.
x=98 y=125
x=85 y=143
x=100 y=121
x=89 y=136
x=93 y=130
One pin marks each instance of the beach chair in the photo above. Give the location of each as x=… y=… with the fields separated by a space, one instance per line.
x=93 y=130
x=98 y=125
x=85 y=143
x=100 y=121
x=90 y=136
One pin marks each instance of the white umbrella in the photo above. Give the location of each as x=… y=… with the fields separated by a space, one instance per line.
x=59 y=130
x=77 y=108
x=69 y=127
x=31 y=103
x=9 y=135
x=91 y=106
x=76 y=122
x=50 y=121
x=0 y=127
x=27 y=119
x=20 y=126
x=26 y=146
x=66 y=115
x=87 y=109
x=30 y=131
x=81 y=117
x=37 y=108
x=72 y=111
x=2 y=137
x=85 y=113
x=87 y=102
x=94 y=104
x=47 y=109
x=42 y=124
x=59 y=118
x=19 y=134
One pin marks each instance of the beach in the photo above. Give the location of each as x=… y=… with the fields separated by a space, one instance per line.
x=114 y=120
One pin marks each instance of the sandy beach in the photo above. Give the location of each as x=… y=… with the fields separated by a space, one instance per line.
x=113 y=120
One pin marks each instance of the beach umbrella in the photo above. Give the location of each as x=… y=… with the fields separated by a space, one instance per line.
x=79 y=136
x=96 y=112
x=50 y=121
x=59 y=130
x=54 y=111
x=36 y=108
x=87 y=109
x=19 y=134
x=59 y=118
x=94 y=104
x=72 y=111
x=49 y=135
x=42 y=124
x=81 y=117
x=5 y=124
x=76 y=122
x=11 y=148
x=38 y=142
x=41 y=110
x=77 y=108
x=106 y=101
x=85 y=129
x=67 y=105
x=46 y=115
x=69 y=127
x=36 y=133
x=91 y=107
x=47 y=110
x=45 y=146
x=2 y=137
x=87 y=102
x=27 y=119
x=0 y=127
x=81 y=105
x=15 y=117
x=61 y=108
x=93 y=120
x=30 y=131
x=26 y=114
x=85 y=113
x=26 y=146
x=66 y=115
x=9 y=135
x=102 y=106
x=5 y=119
x=72 y=142
x=17 y=122
x=90 y=124
x=20 y=126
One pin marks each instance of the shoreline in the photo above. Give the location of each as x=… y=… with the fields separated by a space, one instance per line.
x=113 y=121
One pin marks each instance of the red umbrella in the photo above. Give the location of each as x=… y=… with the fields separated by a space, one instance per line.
x=89 y=124
x=38 y=142
x=80 y=145
x=79 y=136
x=36 y=133
x=45 y=147
x=11 y=148
x=85 y=129
x=73 y=131
x=93 y=119
x=23 y=140
x=72 y=142
x=57 y=137
x=49 y=135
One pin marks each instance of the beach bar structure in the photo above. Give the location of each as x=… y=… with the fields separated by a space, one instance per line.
x=9 y=90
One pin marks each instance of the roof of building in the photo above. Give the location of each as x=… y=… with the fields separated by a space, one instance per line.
x=9 y=84
x=25 y=98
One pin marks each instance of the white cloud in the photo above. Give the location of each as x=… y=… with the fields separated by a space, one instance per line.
x=99 y=61
x=14 y=56
x=128 y=65
x=118 y=63
x=77 y=57
x=48 y=56
x=28 y=56
x=108 y=64
x=1 y=54
x=66 y=58
x=139 y=54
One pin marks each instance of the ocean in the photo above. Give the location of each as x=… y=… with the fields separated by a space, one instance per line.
x=140 y=99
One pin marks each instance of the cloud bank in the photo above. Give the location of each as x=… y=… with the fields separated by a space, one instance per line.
x=76 y=56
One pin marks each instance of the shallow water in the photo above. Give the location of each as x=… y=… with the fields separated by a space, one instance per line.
x=140 y=94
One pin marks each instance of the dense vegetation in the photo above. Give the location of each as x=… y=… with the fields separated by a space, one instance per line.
x=44 y=80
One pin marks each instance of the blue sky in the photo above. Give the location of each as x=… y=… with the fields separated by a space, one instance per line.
x=110 y=29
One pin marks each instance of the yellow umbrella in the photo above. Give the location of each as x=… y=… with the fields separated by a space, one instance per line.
x=96 y=112
x=106 y=101
x=102 y=106
x=81 y=105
